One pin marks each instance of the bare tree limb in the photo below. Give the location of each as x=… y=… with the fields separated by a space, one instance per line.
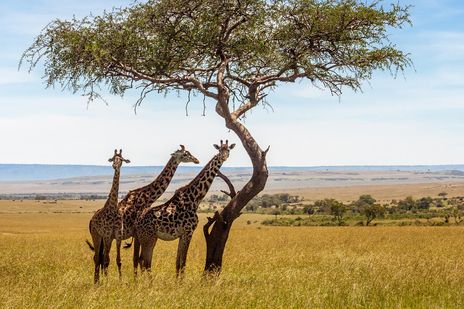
x=226 y=179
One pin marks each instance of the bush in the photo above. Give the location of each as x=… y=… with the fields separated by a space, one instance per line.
x=424 y=203
x=407 y=204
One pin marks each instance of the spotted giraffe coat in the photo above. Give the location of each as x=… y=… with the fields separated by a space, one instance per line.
x=139 y=199
x=178 y=216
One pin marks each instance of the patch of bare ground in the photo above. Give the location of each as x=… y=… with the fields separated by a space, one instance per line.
x=383 y=193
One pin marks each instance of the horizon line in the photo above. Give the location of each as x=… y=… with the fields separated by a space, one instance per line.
x=243 y=166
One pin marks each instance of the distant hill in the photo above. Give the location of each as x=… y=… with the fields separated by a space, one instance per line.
x=31 y=172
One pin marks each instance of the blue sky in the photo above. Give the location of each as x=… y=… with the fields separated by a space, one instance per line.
x=415 y=119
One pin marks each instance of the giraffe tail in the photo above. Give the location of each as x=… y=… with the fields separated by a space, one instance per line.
x=87 y=241
x=127 y=245
x=90 y=245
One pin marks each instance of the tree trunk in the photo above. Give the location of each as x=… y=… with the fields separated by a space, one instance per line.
x=369 y=220
x=222 y=222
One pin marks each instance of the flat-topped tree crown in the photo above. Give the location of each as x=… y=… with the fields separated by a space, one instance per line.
x=222 y=49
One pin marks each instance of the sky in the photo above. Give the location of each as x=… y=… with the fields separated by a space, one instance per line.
x=416 y=118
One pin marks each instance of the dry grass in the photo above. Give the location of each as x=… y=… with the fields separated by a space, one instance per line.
x=60 y=206
x=44 y=263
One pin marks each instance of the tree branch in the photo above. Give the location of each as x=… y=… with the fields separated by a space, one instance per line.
x=232 y=28
x=187 y=82
x=237 y=79
x=222 y=106
x=232 y=192
x=253 y=95
x=274 y=78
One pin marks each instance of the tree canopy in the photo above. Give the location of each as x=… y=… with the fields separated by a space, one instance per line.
x=244 y=47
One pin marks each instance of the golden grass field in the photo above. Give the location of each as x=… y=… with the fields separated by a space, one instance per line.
x=44 y=263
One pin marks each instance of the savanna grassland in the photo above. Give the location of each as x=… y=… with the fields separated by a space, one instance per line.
x=45 y=263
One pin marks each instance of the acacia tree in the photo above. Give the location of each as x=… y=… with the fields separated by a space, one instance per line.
x=372 y=211
x=233 y=52
x=367 y=207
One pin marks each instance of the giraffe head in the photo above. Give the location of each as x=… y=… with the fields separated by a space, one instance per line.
x=224 y=149
x=117 y=159
x=184 y=156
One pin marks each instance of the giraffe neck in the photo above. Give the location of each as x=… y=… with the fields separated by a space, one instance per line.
x=113 y=196
x=155 y=189
x=196 y=190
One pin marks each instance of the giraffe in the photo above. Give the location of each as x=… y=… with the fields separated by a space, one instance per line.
x=137 y=200
x=176 y=218
x=102 y=222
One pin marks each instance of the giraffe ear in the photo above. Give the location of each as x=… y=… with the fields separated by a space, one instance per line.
x=216 y=146
x=110 y=160
x=182 y=147
x=232 y=146
x=127 y=160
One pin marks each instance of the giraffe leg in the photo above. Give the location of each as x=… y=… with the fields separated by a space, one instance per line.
x=106 y=254
x=147 y=253
x=136 y=255
x=97 y=256
x=182 y=249
x=118 y=256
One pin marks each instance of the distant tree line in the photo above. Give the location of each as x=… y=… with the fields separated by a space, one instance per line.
x=367 y=209
x=279 y=201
